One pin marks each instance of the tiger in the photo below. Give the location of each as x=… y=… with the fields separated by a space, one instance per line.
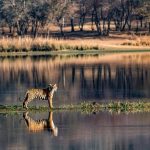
x=40 y=125
x=41 y=94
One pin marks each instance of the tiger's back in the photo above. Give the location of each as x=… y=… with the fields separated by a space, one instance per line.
x=37 y=94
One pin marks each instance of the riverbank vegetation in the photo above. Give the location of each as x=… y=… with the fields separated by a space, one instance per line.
x=46 y=44
x=87 y=107
x=138 y=41
x=28 y=44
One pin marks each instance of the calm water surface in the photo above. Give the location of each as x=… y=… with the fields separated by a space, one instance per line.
x=77 y=131
x=79 y=78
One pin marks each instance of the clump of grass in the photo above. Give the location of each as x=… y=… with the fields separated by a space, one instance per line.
x=117 y=106
x=88 y=107
x=138 y=41
x=139 y=106
x=69 y=107
x=19 y=108
x=5 y=108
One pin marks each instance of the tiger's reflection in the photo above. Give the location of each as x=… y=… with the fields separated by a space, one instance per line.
x=40 y=125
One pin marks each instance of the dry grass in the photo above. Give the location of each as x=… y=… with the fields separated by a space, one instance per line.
x=46 y=44
x=138 y=41
x=53 y=44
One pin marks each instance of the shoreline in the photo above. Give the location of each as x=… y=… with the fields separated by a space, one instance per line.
x=74 y=52
x=85 y=107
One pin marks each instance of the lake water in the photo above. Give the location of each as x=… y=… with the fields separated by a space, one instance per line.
x=79 y=78
x=77 y=131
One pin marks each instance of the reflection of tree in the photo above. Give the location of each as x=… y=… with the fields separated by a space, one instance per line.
x=73 y=75
x=40 y=125
x=75 y=79
x=122 y=80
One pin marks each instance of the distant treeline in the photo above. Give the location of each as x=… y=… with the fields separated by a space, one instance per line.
x=27 y=17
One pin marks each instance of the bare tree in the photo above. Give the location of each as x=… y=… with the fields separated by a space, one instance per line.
x=59 y=12
x=19 y=16
x=83 y=11
x=39 y=15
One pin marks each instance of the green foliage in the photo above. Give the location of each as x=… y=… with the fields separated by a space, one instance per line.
x=88 y=107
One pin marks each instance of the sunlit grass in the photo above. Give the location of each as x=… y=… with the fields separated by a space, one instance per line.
x=46 y=44
x=28 y=44
x=138 y=41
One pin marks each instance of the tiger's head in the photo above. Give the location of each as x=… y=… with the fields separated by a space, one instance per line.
x=52 y=87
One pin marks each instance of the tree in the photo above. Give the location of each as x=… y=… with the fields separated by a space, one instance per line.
x=96 y=14
x=60 y=10
x=83 y=11
x=143 y=13
x=1 y=15
x=39 y=15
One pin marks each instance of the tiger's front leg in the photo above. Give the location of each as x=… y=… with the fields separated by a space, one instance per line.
x=50 y=102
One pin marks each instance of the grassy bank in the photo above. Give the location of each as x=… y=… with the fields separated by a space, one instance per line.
x=87 y=107
x=40 y=44
x=28 y=44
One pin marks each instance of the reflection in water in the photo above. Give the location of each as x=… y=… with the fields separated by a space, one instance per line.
x=78 y=78
x=118 y=76
x=40 y=125
x=103 y=131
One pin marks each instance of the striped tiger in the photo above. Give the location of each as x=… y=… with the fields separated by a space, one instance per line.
x=41 y=94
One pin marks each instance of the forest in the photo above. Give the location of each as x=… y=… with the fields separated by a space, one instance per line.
x=34 y=17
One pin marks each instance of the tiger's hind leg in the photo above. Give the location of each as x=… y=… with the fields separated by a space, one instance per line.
x=26 y=101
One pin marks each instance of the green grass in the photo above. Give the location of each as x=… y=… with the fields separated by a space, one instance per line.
x=86 y=107
x=70 y=52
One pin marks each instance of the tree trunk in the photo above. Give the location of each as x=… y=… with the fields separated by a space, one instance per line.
x=92 y=19
x=72 y=24
x=98 y=24
x=141 y=20
x=98 y=27
x=125 y=23
x=81 y=24
x=61 y=30
x=108 y=28
x=3 y=30
x=35 y=29
x=129 y=25
x=104 y=27
x=137 y=26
